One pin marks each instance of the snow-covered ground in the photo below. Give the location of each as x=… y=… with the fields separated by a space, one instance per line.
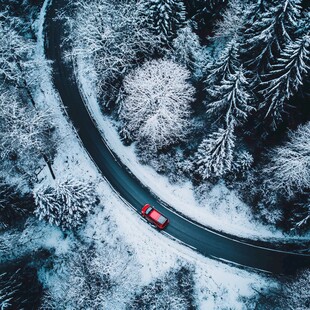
x=221 y=209
x=217 y=286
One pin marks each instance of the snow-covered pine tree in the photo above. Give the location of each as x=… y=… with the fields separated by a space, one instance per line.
x=285 y=77
x=19 y=64
x=165 y=17
x=232 y=99
x=65 y=203
x=215 y=154
x=233 y=19
x=226 y=65
x=187 y=50
x=24 y=131
x=272 y=28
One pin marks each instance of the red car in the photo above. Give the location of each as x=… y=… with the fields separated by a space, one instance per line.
x=154 y=217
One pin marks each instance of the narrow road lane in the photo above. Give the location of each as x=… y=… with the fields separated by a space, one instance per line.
x=205 y=241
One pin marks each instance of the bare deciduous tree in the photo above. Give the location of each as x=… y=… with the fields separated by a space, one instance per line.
x=156 y=104
x=113 y=34
x=289 y=168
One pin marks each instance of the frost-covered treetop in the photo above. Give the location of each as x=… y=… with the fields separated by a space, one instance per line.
x=156 y=104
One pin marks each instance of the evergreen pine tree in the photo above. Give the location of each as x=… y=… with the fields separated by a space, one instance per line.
x=215 y=153
x=271 y=28
x=187 y=50
x=231 y=99
x=226 y=65
x=65 y=203
x=165 y=17
x=285 y=77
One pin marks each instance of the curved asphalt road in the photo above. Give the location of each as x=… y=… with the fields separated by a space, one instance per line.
x=205 y=241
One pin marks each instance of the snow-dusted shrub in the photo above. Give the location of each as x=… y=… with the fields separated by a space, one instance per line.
x=156 y=108
x=170 y=164
x=93 y=278
x=270 y=214
x=175 y=291
x=243 y=160
x=202 y=191
x=65 y=203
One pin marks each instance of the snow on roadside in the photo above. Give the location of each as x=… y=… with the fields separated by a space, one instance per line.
x=222 y=210
x=218 y=285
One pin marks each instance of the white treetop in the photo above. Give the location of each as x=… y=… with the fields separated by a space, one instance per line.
x=156 y=105
x=22 y=129
x=289 y=167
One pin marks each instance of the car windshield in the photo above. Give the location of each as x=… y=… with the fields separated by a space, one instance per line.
x=148 y=210
x=161 y=220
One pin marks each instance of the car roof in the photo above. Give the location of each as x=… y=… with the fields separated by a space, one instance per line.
x=155 y=215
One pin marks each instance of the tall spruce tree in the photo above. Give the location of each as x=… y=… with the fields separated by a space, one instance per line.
x=165 y=17
x=231 y=99
x=285 y=77
x=226 y=65
x=272 y=26
x=215 y=154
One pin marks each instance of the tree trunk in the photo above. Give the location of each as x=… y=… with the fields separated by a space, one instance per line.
x=49 y=165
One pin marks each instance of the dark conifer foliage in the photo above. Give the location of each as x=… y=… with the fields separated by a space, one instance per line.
x=205 y=13
x=273 y=24
x=286 y=76
x=165 y=17
x=13 y=205
x=19 y=287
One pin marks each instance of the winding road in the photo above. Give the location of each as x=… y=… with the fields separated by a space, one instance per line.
x=244 y=253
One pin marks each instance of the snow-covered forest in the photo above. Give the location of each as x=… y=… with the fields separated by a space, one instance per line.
x=220 y=89
x=206 y=91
